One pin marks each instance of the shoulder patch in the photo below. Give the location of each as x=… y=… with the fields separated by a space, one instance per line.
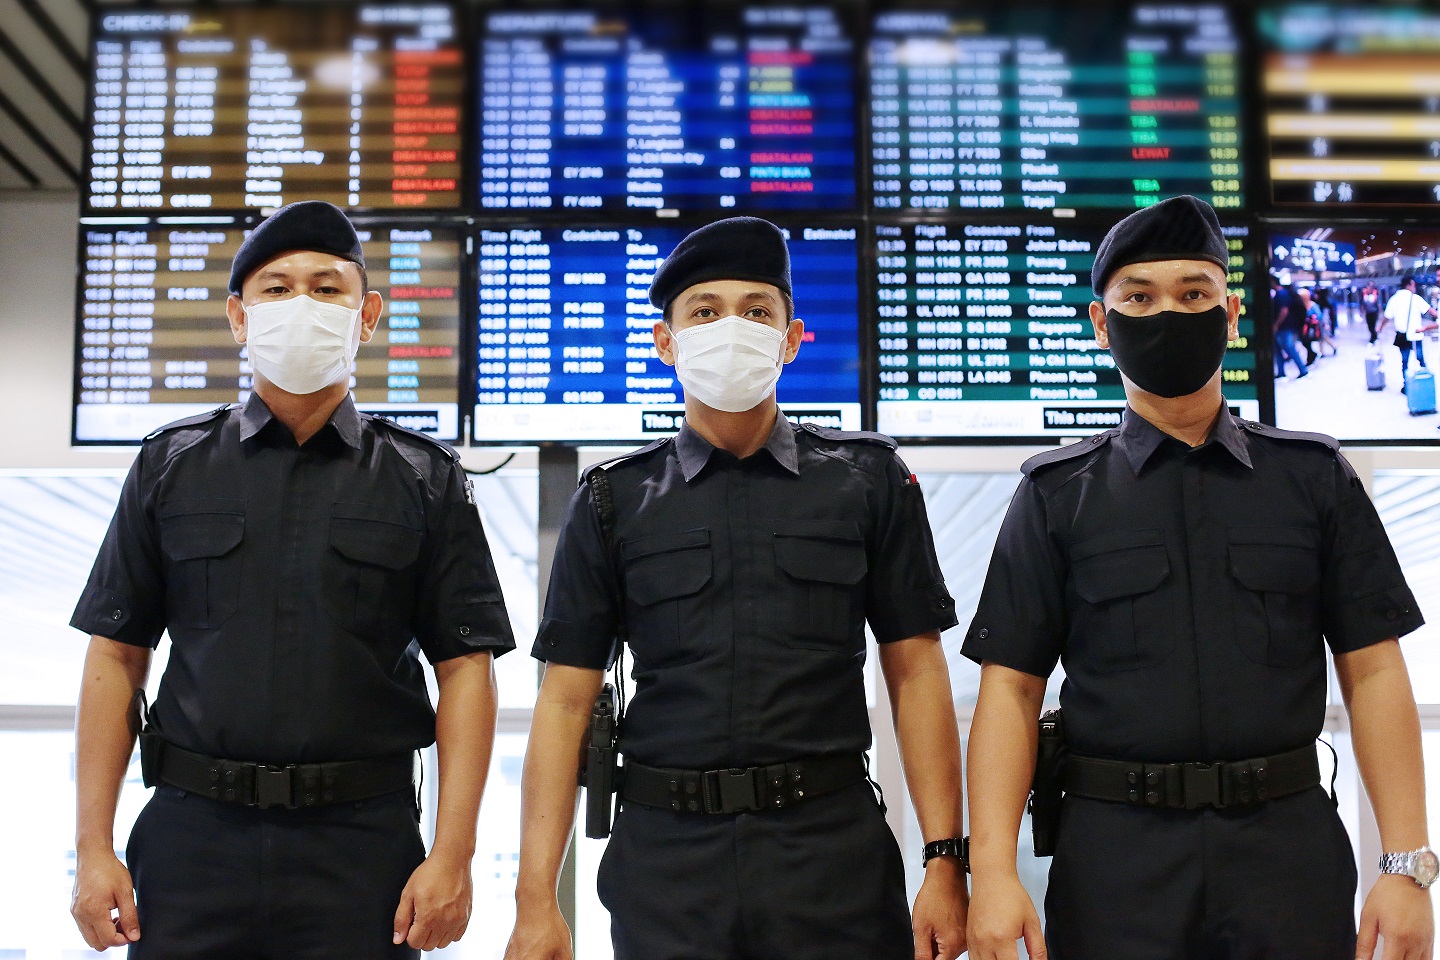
x=631 y=455
x=200 y=418
x=850 y=436
x=441 y=445
x=1265 y=430
x=1068 y=452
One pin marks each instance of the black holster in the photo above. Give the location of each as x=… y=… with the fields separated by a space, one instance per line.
x=600 y=775
x=152 y=744
x=1045 y=789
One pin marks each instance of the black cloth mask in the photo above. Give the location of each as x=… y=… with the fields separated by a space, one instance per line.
x=1169 y=354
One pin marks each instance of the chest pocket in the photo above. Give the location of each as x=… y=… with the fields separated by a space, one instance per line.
x=664 y=575
x=200 y=540
x=1276 y=604
x=369 y=575
x=824 y=562
x=1120 y=621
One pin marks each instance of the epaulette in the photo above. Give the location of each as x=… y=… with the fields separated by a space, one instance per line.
x=850 y=436
x=199 y=418
x=416 y=434
x=631 y=455
x=1265 y=430
x=1068 y=452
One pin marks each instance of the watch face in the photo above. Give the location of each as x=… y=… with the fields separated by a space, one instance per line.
x=1427 y=867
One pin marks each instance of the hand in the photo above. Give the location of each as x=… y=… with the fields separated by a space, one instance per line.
x=540 y=934
x=102 y=885
x=938 y=919
x=435 y=904
x=1397 y=909
x=1000 y=914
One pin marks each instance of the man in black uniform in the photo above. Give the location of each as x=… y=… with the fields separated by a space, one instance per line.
x=301 y=556
x=1185 y=567
x=747 y=555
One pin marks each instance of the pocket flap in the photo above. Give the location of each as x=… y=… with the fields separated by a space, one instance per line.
x=383 y=537
x=1121 y=573
x=1275 y=559
x=828 y=551
x=667 y=566
x=191 y=529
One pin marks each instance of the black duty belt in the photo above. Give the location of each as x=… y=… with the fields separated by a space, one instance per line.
x=293 y=785
x=743 y=789
x=1190 y=786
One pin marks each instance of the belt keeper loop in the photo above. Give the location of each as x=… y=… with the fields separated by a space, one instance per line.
x=1174 y=776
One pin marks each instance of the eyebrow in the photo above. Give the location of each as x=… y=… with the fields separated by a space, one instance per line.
x=707 y=297
x=323 y=273
x=1189 y=278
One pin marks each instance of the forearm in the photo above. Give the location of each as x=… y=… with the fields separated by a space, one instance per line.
x=549 y=790
x=929 y=740
x=105 y=729
x=464 y=738
x=1385 y=730
x=1003 y=738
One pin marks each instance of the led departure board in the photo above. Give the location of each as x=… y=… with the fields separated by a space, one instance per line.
x=1352 y=104
x=667 y=107
x=154 y=346
x=227 y=108
x=565 y=346
x=984 y=332
x=1022 y=107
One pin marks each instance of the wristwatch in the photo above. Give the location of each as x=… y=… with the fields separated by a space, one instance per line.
x=1421 y=865
x=950 y=847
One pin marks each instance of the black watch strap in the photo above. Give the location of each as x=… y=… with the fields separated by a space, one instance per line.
x=949 y=847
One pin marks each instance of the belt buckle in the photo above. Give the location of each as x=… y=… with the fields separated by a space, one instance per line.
x=1201 y=785
x=274 y=786
x=735 y=790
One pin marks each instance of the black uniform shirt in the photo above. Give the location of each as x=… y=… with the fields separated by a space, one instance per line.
x=747 y=586
x=295 y=581
x=1187 y=590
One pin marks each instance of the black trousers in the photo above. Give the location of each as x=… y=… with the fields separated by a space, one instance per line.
x=819 y=881
x=224 y=882
x=1275 y=882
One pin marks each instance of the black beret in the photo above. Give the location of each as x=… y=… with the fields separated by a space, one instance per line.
x=1181 y=228
x=306 y=225
x=740 y=248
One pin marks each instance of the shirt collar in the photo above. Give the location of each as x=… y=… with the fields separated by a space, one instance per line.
x=694 y=450
x=1139 y=438
x=255 y=416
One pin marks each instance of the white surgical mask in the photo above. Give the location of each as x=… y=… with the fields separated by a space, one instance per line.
x=301 y=345
x=730 y=364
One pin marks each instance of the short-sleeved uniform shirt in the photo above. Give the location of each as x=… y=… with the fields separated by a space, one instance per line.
x=1189 y=592
x=298 y=583
x=747 y=585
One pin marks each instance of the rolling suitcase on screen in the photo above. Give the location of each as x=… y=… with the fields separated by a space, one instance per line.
x=1420 y=391
x=1374 y=371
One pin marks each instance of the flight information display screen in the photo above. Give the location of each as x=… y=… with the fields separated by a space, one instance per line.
x=1352 y=104
x=153 y=343
x=234 y=108
x=667 y=107
x=984 y=332
x=1023 y=107
x=565 y=347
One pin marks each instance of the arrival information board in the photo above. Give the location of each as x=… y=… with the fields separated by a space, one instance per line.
x=681 y=107
x=154 y=346
x=566 y=351
x=238 y=108
x=984 y=331
x=1020 y=107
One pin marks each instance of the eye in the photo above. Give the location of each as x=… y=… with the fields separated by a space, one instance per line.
x=272 y=291
x=1137 y=296
x=758 y=313
x=327 y=290
x=704 y=313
